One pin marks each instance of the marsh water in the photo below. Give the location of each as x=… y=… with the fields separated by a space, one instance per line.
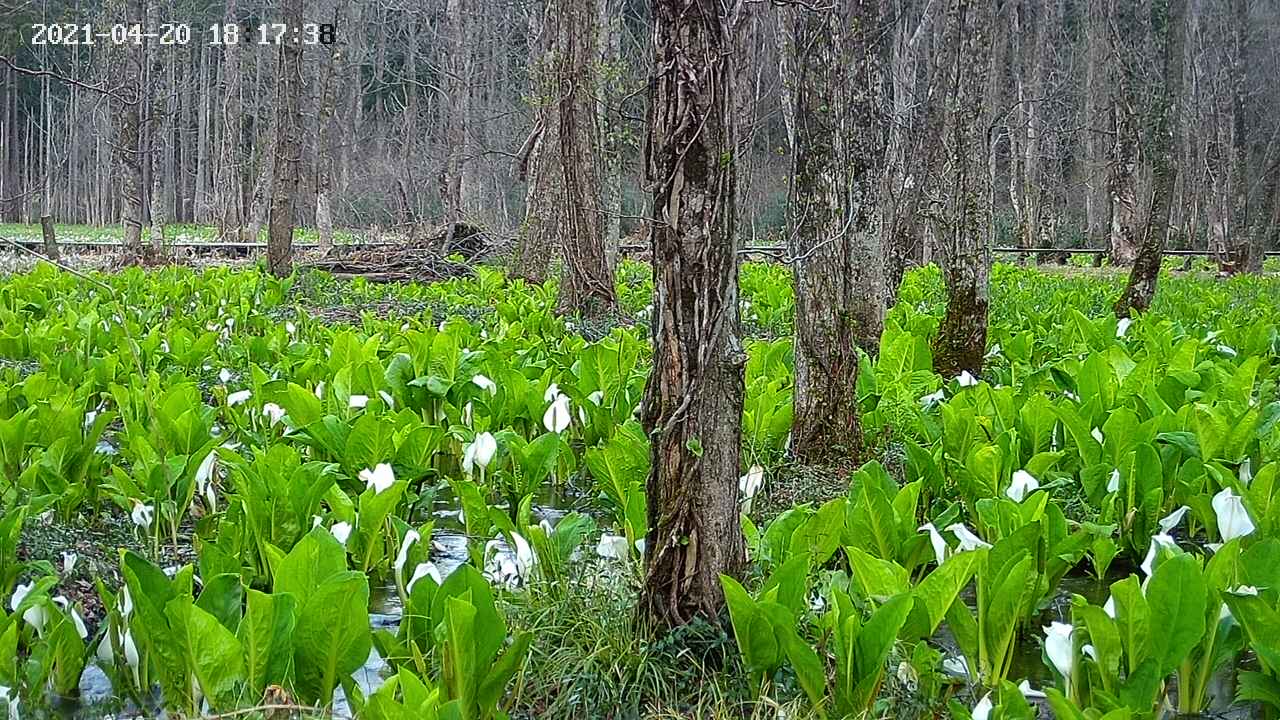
x=449 y=549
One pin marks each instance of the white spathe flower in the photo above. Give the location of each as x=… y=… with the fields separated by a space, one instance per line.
x=36 y=615
x=273 y=412
x=932 y=398
x=940 y=548
x=341 y=531
x=380 y=478
x=1097 y=435
x=290 y=328
x=966 y=379
x=426 y=569
x=1226 y=350
x=402 y=557
x=1157 y=543
x=204 y=471
x=982 y=711
x=1246 y=471
x=956 y=665
x=479 y=452
x=993 y=352
x=552 y=392
x=596 y=397
x=320 y=390
x=239 y=396
x=1027 y=691
x=1244 y=591
x=466 y=414
x=357 y=401
x=1089 y=651
x=10 y=698
x=1122 y=327
x=387 y=400
x=750 y=483
x=508 y=567
x=69 y=560
x=1024 y=483
x=76 y=620
x=1113 y=482
x=225 y=376
x=556 y=418
x=1110 y=607
x=968 y=541
x=1058 y=646
x=1170 y=521
x=485 y=383
x=1233 y=519
x=612 y=547
x=142 y=515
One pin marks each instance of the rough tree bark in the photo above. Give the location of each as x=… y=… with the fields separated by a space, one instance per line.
x=587 y=286
x=1163 y=127
x=963 y=222
x=693 y=401
x=901 y=190
x=539 y=163
x=128 y=107
x=832 y=66
x=1126 y=151
x=288 y=148
x=1097 y=52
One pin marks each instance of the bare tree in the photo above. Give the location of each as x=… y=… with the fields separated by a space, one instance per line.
x=1163 y=126
x=539 y=159
x=693 y=401
x=587 y=286
x=288 y=122
x=834 y=72
x=1245 y=248
x=962 y=222
x=1125 y=155
x=128 y=104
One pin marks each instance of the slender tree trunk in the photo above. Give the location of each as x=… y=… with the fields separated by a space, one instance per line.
x=288 y=149
x=456 y=103
x=1244 y=242
x=128 y=158
x=610 y=44
x=1126 y=158
x=539 y=163
x=231 y=161
x=964 y=226
x=1163 y=130
x=1097 y=202
x=834 y=71
x=693 y=401
x=587 y=286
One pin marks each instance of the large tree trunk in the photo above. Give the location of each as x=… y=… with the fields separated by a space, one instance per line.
x=963 y=227
x=693 y=401
x=904 y=177
x=833 y=68
x=587 y=286
x=539 y=162
x=129 y=123
x=1163 y=129
x=1125 y=158
x=288 y=149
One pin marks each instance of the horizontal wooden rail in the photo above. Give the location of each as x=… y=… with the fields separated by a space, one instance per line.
x=36 y=242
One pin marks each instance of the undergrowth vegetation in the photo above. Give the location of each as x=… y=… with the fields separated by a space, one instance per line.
x=286 y=452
